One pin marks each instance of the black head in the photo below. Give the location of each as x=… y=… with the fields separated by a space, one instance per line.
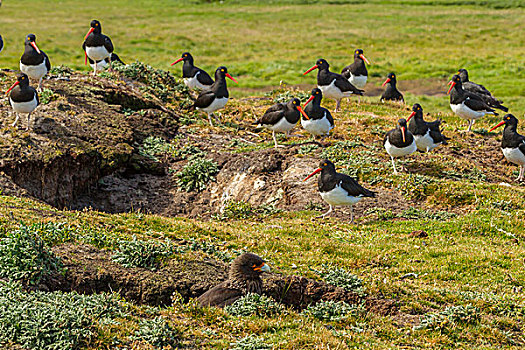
x=294 y=102
x=463 y=74
x=402 y=123
x=322 y=64
x=358 y=53
x=327 y=165
x=248 y=266
x=221 y=72
x=23 y=79
x=508 y=120
x=187 y=57
x=30 y=38
x=390 y=79
x=97 y=27
x=456 y=79
x=392 y=76
x=417 y=108
x=316 y=92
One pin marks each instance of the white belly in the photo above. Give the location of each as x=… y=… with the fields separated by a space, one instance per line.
x=97 y=53
x=339 y=196
x=425 y=143
x=332 y=91
x=395 y=152
x=100 y=65
x=514 y=155
x=317 y=127
x=282 y=126
x=359 y=81
x=24 y=107
x=218 y=103
x=465 y=112
x=34 y=72
x=194 y=83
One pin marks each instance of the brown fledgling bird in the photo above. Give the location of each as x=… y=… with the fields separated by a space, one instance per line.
x=244 y=277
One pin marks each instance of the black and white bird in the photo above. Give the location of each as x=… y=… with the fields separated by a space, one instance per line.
x=399 y=142
x=513 y=144
x=338 y=189
x=480 y=90
x=1 y=43
x=427 y=134
x=318 y=120
x=282 y=117
x=333 y=85
x=216 y=97
x=103 y=64
x=465 y=104
x=194 y=77
x=97 y=46
x=391 y=93
x=356 y=73
x=34 y=62
x=23 y=98
x=244 y=277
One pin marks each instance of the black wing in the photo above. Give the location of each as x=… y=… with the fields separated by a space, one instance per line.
x=353 y=188
x=329 y=116
x=205 y=99
x=1 y=44
x=477 y=104
x=434 y=126
x=272 y=115
x=437 y=136
x=115 y=58
x=204 y=77
x=220 y=296
x=108 y=44
x=347 y=70
x=344 y=85
x=476 y=88
x=48 y=64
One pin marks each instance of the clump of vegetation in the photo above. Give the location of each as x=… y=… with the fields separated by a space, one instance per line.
x=210 y=249
x=146 y=254
x=411 y=214
x=188 y=151
x=58 y=321
x=61 y=71
x=339 y=277
x=46 y=96
x=250 y=342
x=307 y=149
x=196 y=174
x=241 y=210
x=417 y=187
x=157 y=332
x=255 y=304
x=152 y=147
x=24 y=256
x=283 y=95
x=450 y=316
x=332 y=310
x=339 y=151
x=51 y=233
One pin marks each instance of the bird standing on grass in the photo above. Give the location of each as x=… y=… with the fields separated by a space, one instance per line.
x=282 y=117
x=333 y=85
x=513 y=144
x=97 y=46
x=427 y=134
x=391 y=92
x=34 y=62
x=23 y=98
x=480 y=90
x=244 y=277
x=399 y=142
x=103 y=64
x=216 y=97
x=356 y=73
x=194 y=77
x=318 y=120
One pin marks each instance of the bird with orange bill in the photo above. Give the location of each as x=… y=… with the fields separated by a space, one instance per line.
x=97 y=46
x=399 y=142
x=513 y=144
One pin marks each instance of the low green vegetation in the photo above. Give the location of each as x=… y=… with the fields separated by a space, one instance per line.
x=255 y=305
x=195 y=175
x=333 y=310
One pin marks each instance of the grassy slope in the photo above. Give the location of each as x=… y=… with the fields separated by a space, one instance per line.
x=470 y=259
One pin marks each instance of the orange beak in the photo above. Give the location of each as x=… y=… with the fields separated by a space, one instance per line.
x=410 y=117
x=302 y=112
x=497 y=126
x=11 y=88
x=311 y=69
x=452 y=84
x=386 y=81
x=177 y=61
x=403 y=134
x=232 y=78
x=91 y=30
x=35 y=47
x=364 y=58
x=316 y=171
x=309 y=100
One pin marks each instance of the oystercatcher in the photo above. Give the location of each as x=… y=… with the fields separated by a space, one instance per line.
x=244 y=277
x=465 y=104
x=391 y=93
x=318 y=120
x=333 y=85
x=338 y=189
x=34 y=62
x=282 y=117
x=1 y=43
x=356 y=73
x=485 y=94
x=216 y=97
x=23 y=98
x=513 y=144
x=427 y=134
x=97 y=46
x=399 y=142
x=193 y=77
x=103 y=64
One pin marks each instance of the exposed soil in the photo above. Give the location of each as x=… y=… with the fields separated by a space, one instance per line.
x=90 y=270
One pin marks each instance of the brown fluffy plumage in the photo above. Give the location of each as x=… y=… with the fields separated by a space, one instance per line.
x=244 y=277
